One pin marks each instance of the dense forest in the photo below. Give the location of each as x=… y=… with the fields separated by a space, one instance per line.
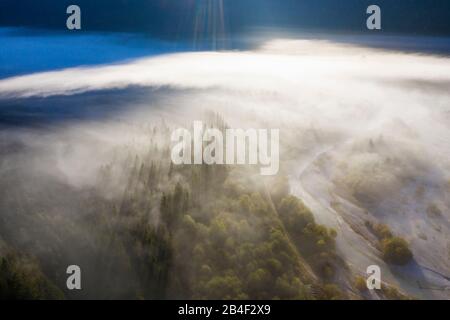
x=184 y=232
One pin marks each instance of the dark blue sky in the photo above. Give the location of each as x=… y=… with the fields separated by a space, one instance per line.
x=176 y=18
x=117 y=30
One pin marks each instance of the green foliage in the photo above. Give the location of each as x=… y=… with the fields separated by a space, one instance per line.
x=315 y=242
x=173 y=205
x=235 y=243
x=396 y=251
x=238 y=254
x=392 y=293
x=296 y=216
x=188 y=232
x=383 y=231
x=21 y=278
x=331 y=292
x=223 y=287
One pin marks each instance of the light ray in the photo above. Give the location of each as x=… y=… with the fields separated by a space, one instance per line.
x=209 y=23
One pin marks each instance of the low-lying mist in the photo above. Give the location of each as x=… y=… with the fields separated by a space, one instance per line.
x=364 y=136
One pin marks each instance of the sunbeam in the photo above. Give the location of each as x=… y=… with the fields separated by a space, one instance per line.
x=209 y=23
